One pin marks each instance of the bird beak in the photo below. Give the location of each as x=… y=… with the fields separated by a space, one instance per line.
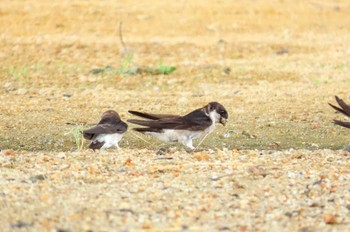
x=223 y=121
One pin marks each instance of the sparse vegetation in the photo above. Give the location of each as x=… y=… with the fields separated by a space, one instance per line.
x=273 y=64
x=127 y=67
x=165 y=69
x=76 y=132
x=19 y=73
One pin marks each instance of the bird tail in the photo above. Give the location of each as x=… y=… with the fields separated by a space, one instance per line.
x=144 y=130
x=139 y=122
x=143 y=115
x=344 y=108
x=341 y=123
x=151 y=116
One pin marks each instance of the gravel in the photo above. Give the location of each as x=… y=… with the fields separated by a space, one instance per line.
x=210 y=190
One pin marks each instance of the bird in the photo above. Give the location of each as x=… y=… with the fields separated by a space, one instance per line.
x=344 y=109
x=107 y=133
x=183 y=129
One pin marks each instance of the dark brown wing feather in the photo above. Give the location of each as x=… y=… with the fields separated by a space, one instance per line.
x=152 y=116
x=344 y=109
x=344 y=106
x=120 y=128
x=337 y=108
x=147 y=129
x=195 y=121
x=166 y=123
x=341 y=123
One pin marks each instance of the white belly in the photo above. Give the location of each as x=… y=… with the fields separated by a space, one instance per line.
x=109 y=140
x=170 y=135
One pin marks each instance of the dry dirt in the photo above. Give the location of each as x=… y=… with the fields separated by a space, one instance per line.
x=273 y=64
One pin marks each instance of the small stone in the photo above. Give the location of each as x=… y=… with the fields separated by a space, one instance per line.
x=282 y=51
x=67 y=95
x=36 y=178
x=146 y=226
x=20 y=224
x=227 y=70
x=96 y=71
x=9 y=152
x=258 y=170
x=21 y=91
x=184 y=227
x=61 y=155
x=305 y=229
x=63 y=230
x=226 y=135
x=292 y=213
x=162 y=151
x=128 y=162
x=329 y=218
x=202 y=157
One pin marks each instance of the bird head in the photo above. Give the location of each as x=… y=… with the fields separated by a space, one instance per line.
x=110 y=116
x=219 y=110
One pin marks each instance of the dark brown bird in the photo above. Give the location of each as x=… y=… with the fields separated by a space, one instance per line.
x=108 y=132
x=175 y=128
x=344 y=109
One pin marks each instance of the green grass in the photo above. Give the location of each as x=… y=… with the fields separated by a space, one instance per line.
x=127 y=67
x=165 y=69
x=76 y=134
x=18 y=73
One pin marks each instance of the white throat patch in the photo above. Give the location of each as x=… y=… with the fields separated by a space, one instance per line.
x=214 y=116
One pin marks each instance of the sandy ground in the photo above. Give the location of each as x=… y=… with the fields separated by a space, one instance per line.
x=132 y=190
x=273 y=64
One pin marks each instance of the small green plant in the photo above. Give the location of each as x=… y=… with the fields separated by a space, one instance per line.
x=315 y=80
x=77 y=133
x=66 y=68
x=38 y=68
x=126 y=66
x=165 y=69
x=18 y=72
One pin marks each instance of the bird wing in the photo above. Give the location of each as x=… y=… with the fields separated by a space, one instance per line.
x=119 y=128
x=194 y=121
x=197 y=120
x=152 y=116
x=166 y=123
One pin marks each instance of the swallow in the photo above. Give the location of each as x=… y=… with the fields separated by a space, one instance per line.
x=183 y=129
x=108 y=132
x=344 y=109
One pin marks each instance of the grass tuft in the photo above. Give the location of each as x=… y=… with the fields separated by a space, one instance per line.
x=77 y=135
x=18 y=72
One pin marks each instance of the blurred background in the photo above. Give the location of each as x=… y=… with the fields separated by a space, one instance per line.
x=274 y=65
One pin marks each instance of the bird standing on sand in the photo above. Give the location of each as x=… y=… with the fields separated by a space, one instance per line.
x=175 y=128
x=108 y=132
